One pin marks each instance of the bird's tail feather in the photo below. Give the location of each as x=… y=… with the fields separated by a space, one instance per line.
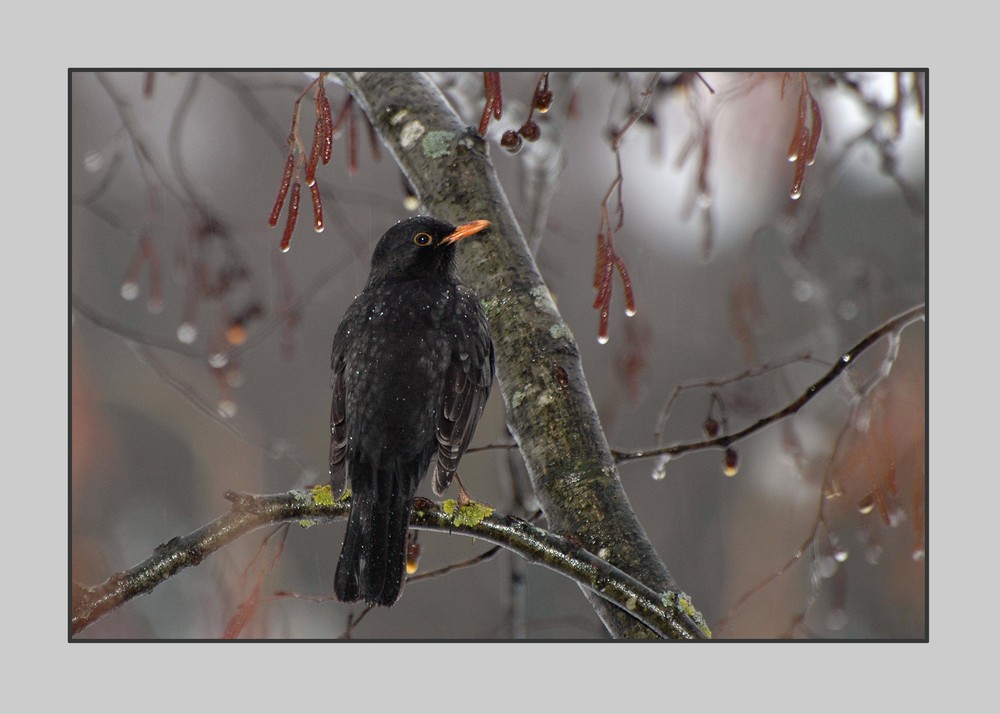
x=373 y=558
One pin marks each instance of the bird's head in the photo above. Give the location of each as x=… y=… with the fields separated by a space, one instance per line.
x=421 y=246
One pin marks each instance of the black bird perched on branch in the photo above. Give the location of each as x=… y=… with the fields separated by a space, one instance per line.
x=412 y=368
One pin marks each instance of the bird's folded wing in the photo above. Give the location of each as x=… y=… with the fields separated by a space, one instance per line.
x=338 y=436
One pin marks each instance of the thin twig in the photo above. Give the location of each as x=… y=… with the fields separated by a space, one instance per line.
x=490 y=447
x=712 y=383
x=445 y=569
x=846 y=359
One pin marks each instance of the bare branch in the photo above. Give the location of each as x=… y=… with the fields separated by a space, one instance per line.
x=666 y=614
x=889 y=328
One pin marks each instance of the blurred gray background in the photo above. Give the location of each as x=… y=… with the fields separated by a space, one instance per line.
x=183 y=174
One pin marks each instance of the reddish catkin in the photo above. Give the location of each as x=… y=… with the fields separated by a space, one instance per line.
x=604 y=285
x=286 y=181
x=315 y=151
x=800 y=143
x=320 y=135
x=800 y=135
x=327 y=117
x=602 y=330
x=805 y=136
x=248 y=608
x=494 y=100
x=627 y=284
x=293 y=214
x=602 y=256
x=498 y=97
x=798 y=179
x=817 y=128
x=317 y=202
x=608 y=261
x=243 y=615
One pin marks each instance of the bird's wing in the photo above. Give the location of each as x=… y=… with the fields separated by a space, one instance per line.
x=466 y=388
x=338 y=436
x=338 y=406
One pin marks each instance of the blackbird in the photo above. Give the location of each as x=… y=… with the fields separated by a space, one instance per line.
x=412 y=368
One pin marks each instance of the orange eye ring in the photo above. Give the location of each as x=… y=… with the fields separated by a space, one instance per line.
x=423 y=239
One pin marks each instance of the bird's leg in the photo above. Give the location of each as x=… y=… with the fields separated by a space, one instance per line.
x=463 y=495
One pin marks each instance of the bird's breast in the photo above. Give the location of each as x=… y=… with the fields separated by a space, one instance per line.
x=397 y=354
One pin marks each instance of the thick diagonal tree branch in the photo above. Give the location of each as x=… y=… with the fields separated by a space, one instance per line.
x=549 y=407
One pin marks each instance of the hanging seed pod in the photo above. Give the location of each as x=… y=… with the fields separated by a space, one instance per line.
x=511 y=141
x=730 y=464
x=530 y=131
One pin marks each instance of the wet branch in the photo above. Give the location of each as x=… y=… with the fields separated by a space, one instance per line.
x=666 y=614
x=848 y=358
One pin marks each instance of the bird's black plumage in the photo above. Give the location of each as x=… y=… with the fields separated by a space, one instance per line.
x=412 y=368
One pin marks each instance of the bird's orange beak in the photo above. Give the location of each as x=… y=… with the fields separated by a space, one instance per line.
x=464 y=231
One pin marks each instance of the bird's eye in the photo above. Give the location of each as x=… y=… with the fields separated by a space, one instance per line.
x=422 y=239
